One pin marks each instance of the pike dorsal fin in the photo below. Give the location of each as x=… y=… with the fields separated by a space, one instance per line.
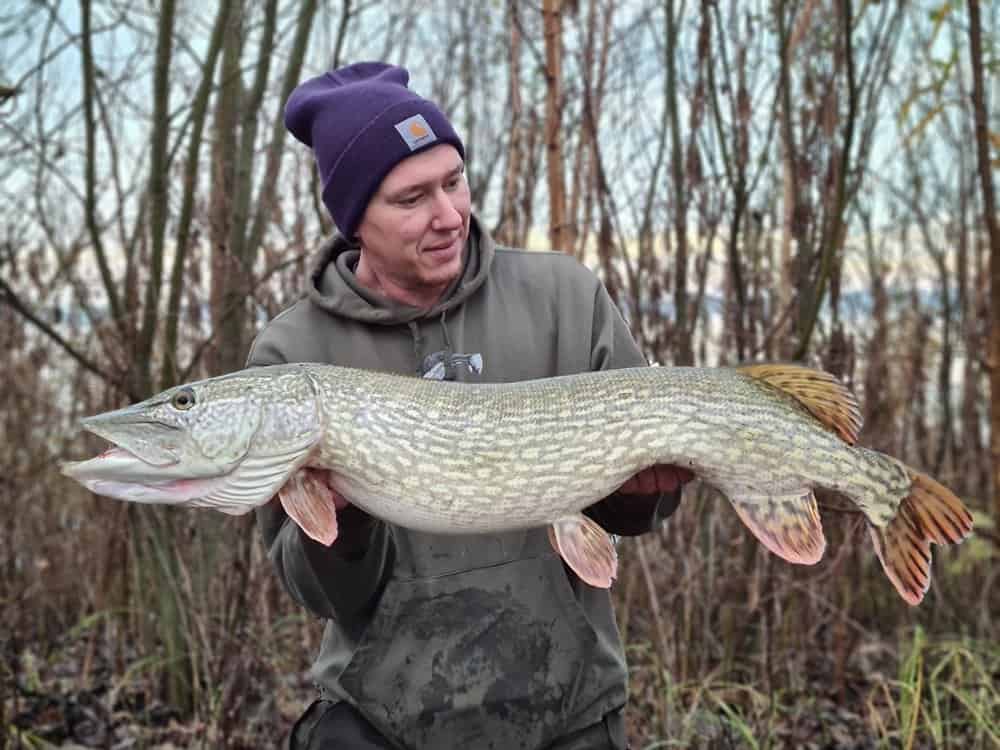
x=825 y=397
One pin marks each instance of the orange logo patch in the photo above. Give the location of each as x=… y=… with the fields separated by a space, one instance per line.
x=415 y=131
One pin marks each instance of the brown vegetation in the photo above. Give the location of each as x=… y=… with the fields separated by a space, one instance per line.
x=753 y=181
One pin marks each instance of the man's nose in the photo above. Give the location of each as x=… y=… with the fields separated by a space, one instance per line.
x=446 y=215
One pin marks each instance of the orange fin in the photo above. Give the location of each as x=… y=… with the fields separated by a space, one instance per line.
x=308 y=499
x=931 y=513
x=586 y=548
x=788 y=525
x=825 y=397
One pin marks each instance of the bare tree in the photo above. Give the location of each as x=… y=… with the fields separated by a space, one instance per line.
x=685 y=355
x=989 y=207
x=199 y=111
x=559 y=230
x=508 y=229
x=825 y=160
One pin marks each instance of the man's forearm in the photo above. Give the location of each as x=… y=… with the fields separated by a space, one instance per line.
x=340 y=581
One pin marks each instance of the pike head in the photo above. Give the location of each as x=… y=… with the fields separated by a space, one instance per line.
x=227 y=443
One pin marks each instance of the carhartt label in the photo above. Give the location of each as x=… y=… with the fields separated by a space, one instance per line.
x=415 y=131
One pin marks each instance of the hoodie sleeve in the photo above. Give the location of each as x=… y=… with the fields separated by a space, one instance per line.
x=343 y=581
x=612 y=346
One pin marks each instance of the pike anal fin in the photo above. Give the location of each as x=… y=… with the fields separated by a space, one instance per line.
x=930 y=513
x=308 y=499
x=586 y=548
x=788 y=525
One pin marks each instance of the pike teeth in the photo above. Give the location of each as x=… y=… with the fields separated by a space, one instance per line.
x=112 y=460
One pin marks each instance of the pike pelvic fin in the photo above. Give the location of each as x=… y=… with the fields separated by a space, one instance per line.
x=825 y=397
x=931 y=513
x=788 y=525
x=308 y=499
x=586 y=548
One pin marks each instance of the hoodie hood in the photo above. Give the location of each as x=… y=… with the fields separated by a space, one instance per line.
x=334 y=287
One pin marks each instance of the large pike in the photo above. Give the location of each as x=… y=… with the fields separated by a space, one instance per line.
x=467 y=458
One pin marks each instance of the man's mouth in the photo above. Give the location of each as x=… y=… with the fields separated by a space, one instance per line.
x=442 y=246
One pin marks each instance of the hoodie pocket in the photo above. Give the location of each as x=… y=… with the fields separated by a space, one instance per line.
x=496 y=657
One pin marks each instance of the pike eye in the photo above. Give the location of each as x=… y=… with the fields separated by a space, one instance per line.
x=183 y=399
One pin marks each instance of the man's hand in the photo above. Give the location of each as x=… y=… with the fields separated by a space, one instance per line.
x=657 y=479
x=339 y=501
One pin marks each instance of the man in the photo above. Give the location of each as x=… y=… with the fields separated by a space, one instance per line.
x=440 y=641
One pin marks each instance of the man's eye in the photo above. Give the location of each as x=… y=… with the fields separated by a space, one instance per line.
x=409 y=200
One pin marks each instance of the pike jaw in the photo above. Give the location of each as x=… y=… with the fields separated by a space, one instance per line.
x=227 y=443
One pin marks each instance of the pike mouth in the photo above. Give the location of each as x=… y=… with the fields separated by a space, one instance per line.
x=123 y=475
x=148 y=441
x=236 y=489
x=114 y=461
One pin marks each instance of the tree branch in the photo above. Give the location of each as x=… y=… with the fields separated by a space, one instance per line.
x=10 y=297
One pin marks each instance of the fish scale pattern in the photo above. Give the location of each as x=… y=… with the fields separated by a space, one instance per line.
x=459 y=457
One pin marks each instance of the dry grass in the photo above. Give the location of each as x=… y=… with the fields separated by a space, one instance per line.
x=166 y=628
x=758 y=653
x=110 y=636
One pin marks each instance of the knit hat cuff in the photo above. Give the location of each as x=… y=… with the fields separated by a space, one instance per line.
x=371 y=155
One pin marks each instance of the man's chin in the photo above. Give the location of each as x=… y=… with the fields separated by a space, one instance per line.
x=445 y=259
x=443 y=273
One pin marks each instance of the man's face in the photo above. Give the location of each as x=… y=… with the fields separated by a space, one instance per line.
x=414 y=229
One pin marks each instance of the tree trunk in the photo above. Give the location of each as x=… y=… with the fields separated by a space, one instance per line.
x=558 y=228
x=227 y=270
x=834 y=224
x=90 y=204
x=791 y=241
x=171 y=368
x=506 y=230
x=682 y=337
x=992 y=234
x=266 y=193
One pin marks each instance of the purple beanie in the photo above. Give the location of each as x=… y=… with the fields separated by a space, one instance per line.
x=361 y=121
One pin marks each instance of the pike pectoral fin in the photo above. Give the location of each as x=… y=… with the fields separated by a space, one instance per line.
x=788 y=525
x=308 y=499
x=586 y=548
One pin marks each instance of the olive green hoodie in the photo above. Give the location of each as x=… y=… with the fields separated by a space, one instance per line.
x=483 y=641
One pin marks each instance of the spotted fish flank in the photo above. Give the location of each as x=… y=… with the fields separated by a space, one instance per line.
x=453 y=457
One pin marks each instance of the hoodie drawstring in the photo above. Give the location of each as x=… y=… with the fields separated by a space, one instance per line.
x=447 y=338
x=418 y=347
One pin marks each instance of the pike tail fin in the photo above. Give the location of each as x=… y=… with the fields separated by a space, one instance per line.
x=930 y=513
